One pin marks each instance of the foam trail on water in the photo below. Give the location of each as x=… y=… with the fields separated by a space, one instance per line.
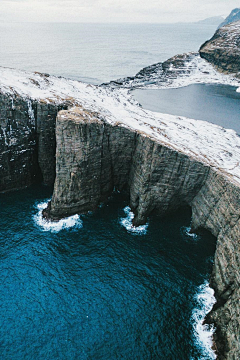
x=55 y=226
x=203 y=332
x=127 y=223
x=187 y=231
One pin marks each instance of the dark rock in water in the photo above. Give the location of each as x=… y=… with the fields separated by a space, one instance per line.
x=232 y=17
x=223 y=49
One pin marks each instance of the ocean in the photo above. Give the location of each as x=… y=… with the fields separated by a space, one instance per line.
x=95 y=53
x=92 y=287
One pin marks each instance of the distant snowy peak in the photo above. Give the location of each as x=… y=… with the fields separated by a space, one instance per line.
x=180 y=70
x=232 y=17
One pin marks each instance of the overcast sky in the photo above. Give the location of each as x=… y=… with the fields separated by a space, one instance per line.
x=157 y=11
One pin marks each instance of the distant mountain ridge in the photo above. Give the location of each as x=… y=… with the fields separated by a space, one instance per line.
x=232 y=17
x=214 y=20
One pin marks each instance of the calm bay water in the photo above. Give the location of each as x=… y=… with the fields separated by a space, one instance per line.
x=91 y=289
x=95 y=53
x=218 y=104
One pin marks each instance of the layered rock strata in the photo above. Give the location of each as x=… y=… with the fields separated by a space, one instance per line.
x=94 y=157
x=223 y=49
x=27 y=141
x=163 y=161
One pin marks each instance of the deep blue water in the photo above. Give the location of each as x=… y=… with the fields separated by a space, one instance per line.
x=218 y=104
x=91 y=289
x=95 y=53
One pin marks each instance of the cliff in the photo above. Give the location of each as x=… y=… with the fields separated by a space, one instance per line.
x=223 y=50
x=232 y=17
x=164 y=165
x=108 y=142
x=27 y=142
x=29 y=103
x=161 y=174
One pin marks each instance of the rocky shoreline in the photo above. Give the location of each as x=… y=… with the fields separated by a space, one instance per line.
x=108 y=141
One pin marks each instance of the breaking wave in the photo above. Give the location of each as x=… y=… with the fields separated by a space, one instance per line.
x=55 y=226
x=127 y=223
x=187 y=231
x=203 y=332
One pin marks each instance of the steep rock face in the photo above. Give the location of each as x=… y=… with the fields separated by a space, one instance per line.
x=27 y=141
x=223 y=49
x=162 y=179
x=18 y=155
x=93 y=157
x=232 y=17
x=29 y=103
x=217 y=208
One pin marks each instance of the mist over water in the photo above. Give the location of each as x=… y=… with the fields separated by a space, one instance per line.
x=94 y=289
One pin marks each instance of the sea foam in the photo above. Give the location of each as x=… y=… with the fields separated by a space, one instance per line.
x=127 y=223
x=55 y=226
x=203 y=332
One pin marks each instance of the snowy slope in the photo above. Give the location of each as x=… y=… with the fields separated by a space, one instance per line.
x=206 y=142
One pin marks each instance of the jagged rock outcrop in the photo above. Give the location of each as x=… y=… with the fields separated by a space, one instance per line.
x=232 y=17
x=223 y=49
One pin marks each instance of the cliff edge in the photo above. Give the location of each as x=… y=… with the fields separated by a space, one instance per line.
x=164 y=162
x=223 y=49
x=108 y=141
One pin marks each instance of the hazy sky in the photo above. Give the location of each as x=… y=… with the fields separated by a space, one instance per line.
x=157 y=11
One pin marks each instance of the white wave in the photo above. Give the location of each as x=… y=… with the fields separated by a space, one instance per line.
x=187 y=231
x=238 y=89
x=55 y=226
x=204 y=332
x=127 y=223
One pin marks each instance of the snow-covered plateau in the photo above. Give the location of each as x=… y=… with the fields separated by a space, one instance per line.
x=208 y=143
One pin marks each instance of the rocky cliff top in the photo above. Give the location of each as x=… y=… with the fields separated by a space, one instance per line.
x=180 y=70
x=232 y=17
x=206 y=142
x=223 y=49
